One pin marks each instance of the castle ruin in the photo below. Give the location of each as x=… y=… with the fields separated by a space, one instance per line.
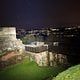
x=38 y=52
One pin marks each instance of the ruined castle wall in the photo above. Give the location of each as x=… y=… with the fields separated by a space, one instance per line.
x=8 y=32
x=39 y=58
x=8 y=40
x=47 y=58
x=57 y=59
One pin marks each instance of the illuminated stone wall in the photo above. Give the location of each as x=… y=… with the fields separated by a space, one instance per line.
x=39 y=58
x=9 y=32
x=8 y=40
x=47 y=58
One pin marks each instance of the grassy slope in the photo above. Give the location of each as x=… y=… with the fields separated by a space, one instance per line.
x=28 y=71
x=72 y=73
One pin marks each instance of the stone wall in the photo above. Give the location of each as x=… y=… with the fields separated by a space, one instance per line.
x=57 y=59
x=10 y=58
x=9 y=32
x=8 y=40
x=47 y=58
x=39 y=58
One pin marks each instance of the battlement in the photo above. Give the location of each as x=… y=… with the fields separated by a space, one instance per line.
x=36 y=47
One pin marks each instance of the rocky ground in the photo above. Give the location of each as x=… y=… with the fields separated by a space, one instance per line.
x=11 y=57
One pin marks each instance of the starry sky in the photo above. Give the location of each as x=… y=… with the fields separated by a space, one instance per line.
x=39 y=13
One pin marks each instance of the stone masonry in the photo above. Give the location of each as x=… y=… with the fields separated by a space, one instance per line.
x=8 y=40
x=39 y=53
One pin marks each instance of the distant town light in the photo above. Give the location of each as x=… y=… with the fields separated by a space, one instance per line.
x=78 y=26
x=55 y=43
x=55 y=29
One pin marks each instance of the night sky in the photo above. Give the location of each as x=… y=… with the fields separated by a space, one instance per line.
x=39 y=13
